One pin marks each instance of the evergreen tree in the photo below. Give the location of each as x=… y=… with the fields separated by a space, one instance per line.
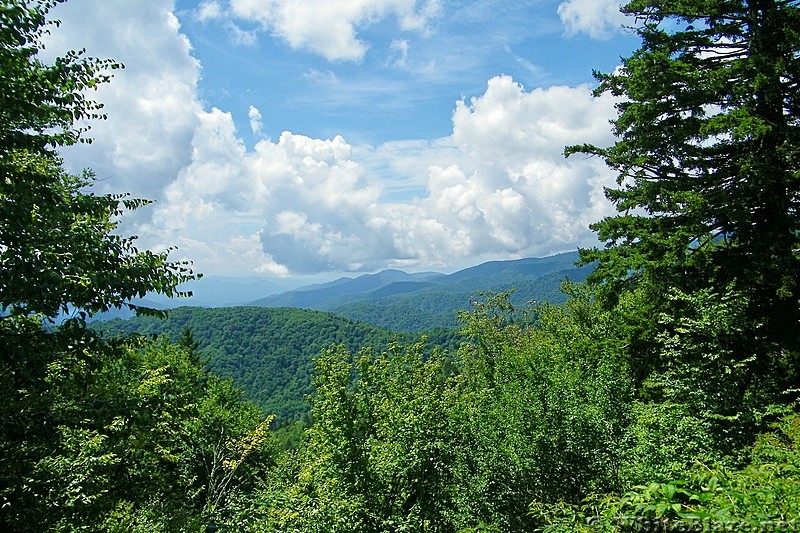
x=708 y=163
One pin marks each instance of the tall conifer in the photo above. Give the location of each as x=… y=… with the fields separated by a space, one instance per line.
x=708 y=164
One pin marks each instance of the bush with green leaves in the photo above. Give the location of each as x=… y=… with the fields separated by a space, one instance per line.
x=761 y=495
x=136 y=435
x=404 y=441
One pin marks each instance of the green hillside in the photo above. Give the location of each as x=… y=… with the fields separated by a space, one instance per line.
x=267 y=351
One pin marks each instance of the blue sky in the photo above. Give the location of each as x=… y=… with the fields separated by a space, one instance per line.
x=302 y=138
x=406 y=82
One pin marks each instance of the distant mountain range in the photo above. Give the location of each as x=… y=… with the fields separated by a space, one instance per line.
x=400 y=301
x=317 y=296
x=390 y=299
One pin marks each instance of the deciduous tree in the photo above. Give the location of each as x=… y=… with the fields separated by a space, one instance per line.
x=58 y=246
x=59 y=253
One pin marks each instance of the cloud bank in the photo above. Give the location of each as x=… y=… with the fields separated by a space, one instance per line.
x=497 y=187
x=304 y=205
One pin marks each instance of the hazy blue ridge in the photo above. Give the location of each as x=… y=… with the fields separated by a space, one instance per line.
x=415 y=306
x=315 y=297
x=404 y=302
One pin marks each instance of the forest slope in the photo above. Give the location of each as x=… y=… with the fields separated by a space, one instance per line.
x=267 y=351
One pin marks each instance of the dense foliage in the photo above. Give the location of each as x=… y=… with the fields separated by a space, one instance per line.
x=401 y=441
x=125 y=438
x=707 y=157
x=267 y=352
x=662 y=396
x=94 y=434
x=522 y=429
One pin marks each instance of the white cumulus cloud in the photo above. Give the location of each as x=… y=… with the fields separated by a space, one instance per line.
x=598 y=18
x=330 y=27
x=152 y=103
x=502 y=188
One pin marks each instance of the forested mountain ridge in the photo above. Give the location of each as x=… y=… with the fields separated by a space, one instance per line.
x=433 y=301
x=268 y=352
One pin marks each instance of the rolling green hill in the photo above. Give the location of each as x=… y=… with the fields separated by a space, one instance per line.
x=267 y=351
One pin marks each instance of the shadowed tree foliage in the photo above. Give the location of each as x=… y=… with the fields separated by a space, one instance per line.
x=94 y=434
